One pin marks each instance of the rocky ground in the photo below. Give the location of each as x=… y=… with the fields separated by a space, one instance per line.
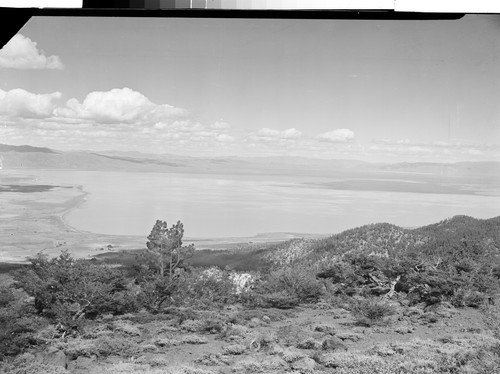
x=319 y=338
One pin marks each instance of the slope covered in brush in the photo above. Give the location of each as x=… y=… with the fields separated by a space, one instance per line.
x=457 y=260
x=461 y=235
x=381 y=239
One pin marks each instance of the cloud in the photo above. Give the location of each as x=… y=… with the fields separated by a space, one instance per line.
x=22 y=53
x=337 y=136
x=267 y=134
x=21 y=103
x=291 y=134
x=121 y=117
x=220 y=125
x=119 y=105
x=224 y=138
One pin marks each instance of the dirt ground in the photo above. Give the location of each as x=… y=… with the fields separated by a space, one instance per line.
x=307 y=339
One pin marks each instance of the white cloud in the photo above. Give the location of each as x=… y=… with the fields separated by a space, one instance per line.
x=220 y=125
x=22 y=53
x=21 y=103
x=267 y=134
x=337 y=136
x=291 y=134
x=124 y=118
x=119 y=105
x=224 y=138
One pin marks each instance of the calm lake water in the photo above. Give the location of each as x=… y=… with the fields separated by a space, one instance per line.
x=212 y=206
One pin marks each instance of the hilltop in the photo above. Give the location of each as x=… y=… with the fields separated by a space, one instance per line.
x=388 y=240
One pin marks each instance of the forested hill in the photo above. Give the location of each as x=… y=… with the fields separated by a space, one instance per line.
x=467 y=236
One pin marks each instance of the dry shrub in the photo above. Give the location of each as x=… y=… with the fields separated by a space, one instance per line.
x=370 y=312
x=234 y=349
x=293 y=285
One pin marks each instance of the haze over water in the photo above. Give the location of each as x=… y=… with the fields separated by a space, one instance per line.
x=211 y=206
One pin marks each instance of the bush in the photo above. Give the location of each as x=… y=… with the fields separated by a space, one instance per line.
x=279 y=300
x=6 y=296
x=102 y=346
x=18 y=332
x=235 y=349
x=205 y=288
x=288 y=287
x=67 y=289
x=463 y=298
x=369 y=312
x=155 y=290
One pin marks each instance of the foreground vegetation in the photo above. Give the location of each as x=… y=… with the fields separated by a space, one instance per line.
x=376 y=299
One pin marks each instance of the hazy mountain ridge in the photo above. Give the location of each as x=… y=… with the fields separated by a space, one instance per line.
x=28 y=157
x=24 y=149
x=459 y=233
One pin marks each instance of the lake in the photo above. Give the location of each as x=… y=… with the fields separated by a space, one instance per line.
x=214 y=206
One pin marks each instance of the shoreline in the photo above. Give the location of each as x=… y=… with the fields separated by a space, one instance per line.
x=37 y=222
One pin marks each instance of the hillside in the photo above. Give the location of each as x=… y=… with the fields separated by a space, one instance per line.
x=387 y=240
x=376 y=299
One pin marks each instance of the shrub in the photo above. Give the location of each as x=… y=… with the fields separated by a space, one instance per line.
x=279 y=299
x=155 y=290
x=262 y=314
x=18 y=332
x=194 y=339
x=234 y=349
x=309 y=343
x=340 y=272
x=75 y=348
x=126 y=328
x=111 y=345
x=181 y=313
x=192 y=325
x=67 y=289
x=462 y=298
x=26 y=364
x=369 y=312
x=205 y=288
x=212 y=326
x=234 y=330
x=344 y=362
x=287 y=288
x=6 y=296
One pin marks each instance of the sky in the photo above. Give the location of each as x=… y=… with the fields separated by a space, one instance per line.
x=381 y=91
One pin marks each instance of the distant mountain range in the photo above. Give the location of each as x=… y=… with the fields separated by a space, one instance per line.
x=29 y=157
x=24 y=149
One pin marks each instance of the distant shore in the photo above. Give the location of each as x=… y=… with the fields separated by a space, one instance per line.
x=35 y=221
